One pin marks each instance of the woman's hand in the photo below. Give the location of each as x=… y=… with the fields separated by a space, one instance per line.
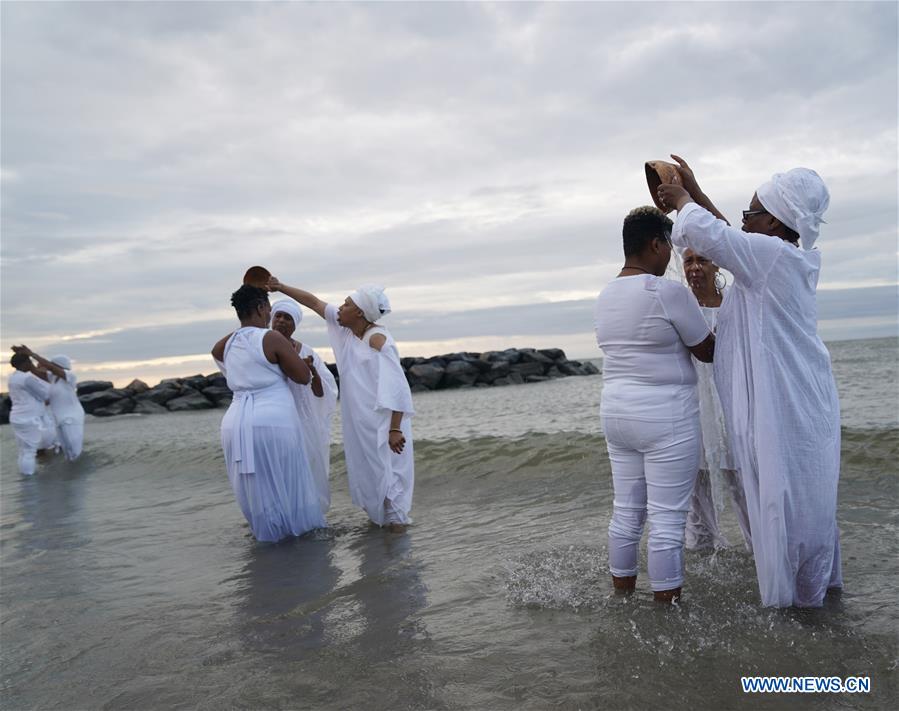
x=688 y=178
x=22 y=350
x=674 y=197
x=397 y=441
x=273 y=284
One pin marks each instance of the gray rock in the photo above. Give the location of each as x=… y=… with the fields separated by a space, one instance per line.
x=510 y=354
x=162 y=393
x=216 y=380
x=427 y=374
x=122 y=406
x=590 y=369
x=137 y=386
x=197 y=382
x=525 y=369
x=92 y=386
x=571 y=368
x=5 y=408
x=148 y=407
x=535 y=378
x=418 y=388
x=218 y=394
x=553 y=353
x=193 y=400
x=498 y=369
x=102 y=399
x=554 y=372
x=529 y=355
x=459 y=373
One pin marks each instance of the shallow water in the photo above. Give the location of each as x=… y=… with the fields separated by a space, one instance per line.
x=129 y=579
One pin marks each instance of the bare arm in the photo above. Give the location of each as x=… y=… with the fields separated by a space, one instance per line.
x=692 y=186
x=310 y=301
x=47 y=365
x=218 y=350
x=396 y=439
x=317 y=388
x=704 y=351
x=279 y=350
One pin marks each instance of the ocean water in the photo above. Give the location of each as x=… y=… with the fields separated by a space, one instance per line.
x=129 y=579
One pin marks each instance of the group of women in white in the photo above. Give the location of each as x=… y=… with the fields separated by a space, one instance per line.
x=276 y=434
x=722 y=390
x=46 y=414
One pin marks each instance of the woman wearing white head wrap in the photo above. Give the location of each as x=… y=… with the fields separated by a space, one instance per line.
x=774 y=378
x=375 y=403
x=315 y=401
x=65 y=410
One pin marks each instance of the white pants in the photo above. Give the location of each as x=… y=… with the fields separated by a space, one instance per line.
x=654 y=467
x=31 y=436
x=71 y=439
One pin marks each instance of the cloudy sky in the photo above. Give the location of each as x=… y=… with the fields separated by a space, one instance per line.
x=477 y=159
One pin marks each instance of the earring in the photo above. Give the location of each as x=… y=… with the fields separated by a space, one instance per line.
x=720 y=282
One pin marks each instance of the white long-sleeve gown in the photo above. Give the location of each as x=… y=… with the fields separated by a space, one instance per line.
x=779 y=397
x=372 y=387
x=263 y=447
x=68 y=414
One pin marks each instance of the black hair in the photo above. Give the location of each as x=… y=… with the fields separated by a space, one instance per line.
x=792 y=235
x=247 y=298
x=641 y=226
x=18 y=360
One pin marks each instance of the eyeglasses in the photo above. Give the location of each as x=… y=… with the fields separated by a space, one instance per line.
x=750 y=213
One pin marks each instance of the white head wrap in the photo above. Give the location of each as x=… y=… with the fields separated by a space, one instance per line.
x=798 y=198
x=286 y=306
x=62 y=361
x=372 y=300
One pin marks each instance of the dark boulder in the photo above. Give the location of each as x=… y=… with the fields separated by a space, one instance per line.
x=426 y=374
x=92 y=386
x=148 y=407
x=122 y=406
x=553 y=353
x=5 y=408
x=193 y=400
x=512 y=355
x=136 y=387
x=498 y=369
x=535 y=378
x=162 y=393
x=102 y=399
x=525 y=369
x=571 y=367
x=218 y=394
x=197 y=382
x=459 y=373
x=554 y=372
x=529 y=355
x=590 y=369
x=216 y=380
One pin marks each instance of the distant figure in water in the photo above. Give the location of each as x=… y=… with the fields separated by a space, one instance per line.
x=375 y=403
x=32 y=426
x=774 y=376
x=315 y=402
x=261 y=438
x=65 y=407
x=716 y=466
x=647 y=326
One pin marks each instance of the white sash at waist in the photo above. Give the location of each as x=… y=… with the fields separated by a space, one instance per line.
x=242 y=450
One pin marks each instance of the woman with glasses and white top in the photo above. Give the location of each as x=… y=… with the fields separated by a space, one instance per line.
x=647 y=327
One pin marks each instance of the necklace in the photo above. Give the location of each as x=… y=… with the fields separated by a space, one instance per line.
x=637 y=268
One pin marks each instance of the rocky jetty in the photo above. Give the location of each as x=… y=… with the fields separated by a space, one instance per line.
x=513 y=366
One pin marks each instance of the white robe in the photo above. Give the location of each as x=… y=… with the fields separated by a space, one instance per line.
x=372 y=387
x=31 y=421
x=779 y=397
x=262 y=444
x=315 y=415
x=68 y=413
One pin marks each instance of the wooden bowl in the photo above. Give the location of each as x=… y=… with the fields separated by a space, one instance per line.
x=658 y=172
x=257 y=276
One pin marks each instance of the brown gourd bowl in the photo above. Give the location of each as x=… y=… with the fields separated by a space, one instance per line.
x=658 y=172
x=257 y=276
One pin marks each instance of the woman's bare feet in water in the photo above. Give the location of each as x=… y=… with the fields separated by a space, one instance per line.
x=624 y=585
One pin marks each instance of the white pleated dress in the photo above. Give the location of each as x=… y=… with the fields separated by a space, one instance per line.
x=263 y=447
x=779 y=398
x=68 y=413
x=372 y=387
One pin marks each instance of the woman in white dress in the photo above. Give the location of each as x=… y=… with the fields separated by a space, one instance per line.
x=315 y=402
x=716 y=467
x=261 y=439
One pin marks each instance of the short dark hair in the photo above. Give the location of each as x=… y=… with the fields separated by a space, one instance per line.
x=641 y=226
x=792 y=235
x=247 y=298
x=19 y=360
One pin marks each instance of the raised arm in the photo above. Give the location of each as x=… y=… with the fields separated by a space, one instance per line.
x=279 y=350
x=691 y=185
x=310 y=301
x=50 y=366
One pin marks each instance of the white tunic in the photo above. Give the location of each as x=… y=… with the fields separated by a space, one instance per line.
x=68 y=413
x=372 y=387
x=780 y=404
x=262 y=444
x=315 y=422
x=32 y=423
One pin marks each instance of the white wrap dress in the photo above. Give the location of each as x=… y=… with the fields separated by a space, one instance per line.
x=68 y=413
x=31 y=422
x=262 y=444
x=315 y=415
x=372 y=387
x=780 y=404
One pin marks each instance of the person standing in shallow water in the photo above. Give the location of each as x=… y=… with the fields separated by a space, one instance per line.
x=33 y=429
x=261 y=438
x=716 y=467
x=375 y=403
x=774 y=376
x=647 y=327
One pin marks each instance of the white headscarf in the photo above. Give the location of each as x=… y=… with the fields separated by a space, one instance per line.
x=372 y=300
x=286 y=306
x=798 y=198
x=62 y=361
